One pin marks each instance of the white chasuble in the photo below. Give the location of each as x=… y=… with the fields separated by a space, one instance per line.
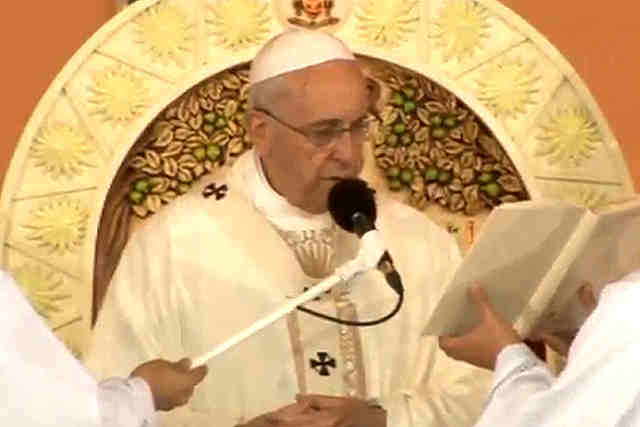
x=231 y=251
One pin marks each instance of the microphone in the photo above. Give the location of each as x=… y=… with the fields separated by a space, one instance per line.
x=353 y=207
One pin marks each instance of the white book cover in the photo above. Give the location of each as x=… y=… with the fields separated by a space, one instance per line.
x=532 y=256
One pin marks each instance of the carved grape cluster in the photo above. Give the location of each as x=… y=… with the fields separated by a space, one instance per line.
x=198 y=133
x=430 y=144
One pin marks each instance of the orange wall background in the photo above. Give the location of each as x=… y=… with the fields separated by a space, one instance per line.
x=37 y=39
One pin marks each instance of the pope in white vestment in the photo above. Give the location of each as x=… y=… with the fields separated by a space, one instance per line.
x=204 y=269
x=233 y=249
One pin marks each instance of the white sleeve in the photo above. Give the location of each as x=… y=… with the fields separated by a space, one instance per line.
x=125 y=403
x=41 y=383
x=519 y=374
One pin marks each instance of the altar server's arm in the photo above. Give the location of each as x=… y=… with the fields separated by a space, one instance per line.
x=519 y=375
x=125 y=403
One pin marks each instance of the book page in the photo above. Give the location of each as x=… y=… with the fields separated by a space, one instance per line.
x=517 y=246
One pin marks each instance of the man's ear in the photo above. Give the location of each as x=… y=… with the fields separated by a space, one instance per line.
x=260 y=133
x=375 y=92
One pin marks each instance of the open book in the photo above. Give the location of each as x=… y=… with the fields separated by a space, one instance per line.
x=533 y=256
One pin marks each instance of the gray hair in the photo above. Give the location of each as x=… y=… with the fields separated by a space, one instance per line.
x=268 y=94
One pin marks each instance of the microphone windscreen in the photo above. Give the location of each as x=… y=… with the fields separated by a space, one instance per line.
x=349 y=196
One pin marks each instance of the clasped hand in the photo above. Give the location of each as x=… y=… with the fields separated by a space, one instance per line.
x=323 y=411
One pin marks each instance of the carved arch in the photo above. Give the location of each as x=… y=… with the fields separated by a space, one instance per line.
x=83 y=129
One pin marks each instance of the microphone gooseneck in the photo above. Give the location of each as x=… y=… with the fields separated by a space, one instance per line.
x=352 y=206
x=361 y=225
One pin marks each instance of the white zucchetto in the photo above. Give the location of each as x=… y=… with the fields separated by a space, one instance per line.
x=294 y=50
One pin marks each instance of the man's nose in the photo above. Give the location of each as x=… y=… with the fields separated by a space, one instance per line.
x=344 y=149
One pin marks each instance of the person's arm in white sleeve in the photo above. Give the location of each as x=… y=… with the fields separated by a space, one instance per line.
x=523 y=390
x=155 y=385
x=518 y=376
x=125 y=403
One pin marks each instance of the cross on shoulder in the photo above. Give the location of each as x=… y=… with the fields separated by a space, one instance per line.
x=213 y=189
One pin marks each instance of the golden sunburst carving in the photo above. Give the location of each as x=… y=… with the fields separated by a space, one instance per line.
x=44 y=290
x=461 y=28
x=508 y=87
x=589 y=197
x=386 y=23
x=165 y=33
x=238 y=24
x=118 y=95
x=62 y=150
x=59 y=225
x=569 y=138
x=584 y=195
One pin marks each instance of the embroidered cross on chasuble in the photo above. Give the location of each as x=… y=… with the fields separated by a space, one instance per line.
x=328 y=356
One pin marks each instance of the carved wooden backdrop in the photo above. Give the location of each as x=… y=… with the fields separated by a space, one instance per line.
x=479 y=109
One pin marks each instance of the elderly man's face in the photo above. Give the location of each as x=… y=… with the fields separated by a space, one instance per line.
x=303 y=166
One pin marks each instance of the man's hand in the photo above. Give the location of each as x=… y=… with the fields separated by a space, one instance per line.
x=323 y=411
x=284 y=416
x=561 y=341
x=341 y=412
x=484 y=342
x=171 y=384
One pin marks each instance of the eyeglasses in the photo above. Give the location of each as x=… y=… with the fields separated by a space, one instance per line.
x=326 y=136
